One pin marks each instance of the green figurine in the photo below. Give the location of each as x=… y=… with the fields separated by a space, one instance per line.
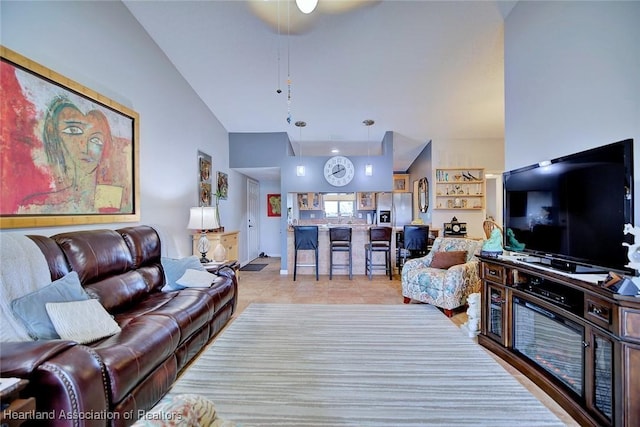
x=513 y=242
x=493 y=245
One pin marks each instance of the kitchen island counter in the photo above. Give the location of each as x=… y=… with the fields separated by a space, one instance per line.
x=359 y=236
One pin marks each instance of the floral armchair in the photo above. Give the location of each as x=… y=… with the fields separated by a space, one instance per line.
x=431 y=279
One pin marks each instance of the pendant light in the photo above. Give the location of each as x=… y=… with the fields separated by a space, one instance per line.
x=300 y=171
x=306 y=6
x=368 y=168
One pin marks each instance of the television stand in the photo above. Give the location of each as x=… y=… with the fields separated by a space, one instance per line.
x=576 y=340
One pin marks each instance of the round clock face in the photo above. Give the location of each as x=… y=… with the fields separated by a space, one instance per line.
x=455 y=228
x=339 y=171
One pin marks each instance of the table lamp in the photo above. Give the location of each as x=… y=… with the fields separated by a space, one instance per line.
x=203 y=218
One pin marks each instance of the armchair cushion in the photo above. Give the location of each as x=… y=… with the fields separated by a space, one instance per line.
x=444 y=288
x=444 y=260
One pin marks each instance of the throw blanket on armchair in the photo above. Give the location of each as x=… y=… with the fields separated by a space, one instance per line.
x=24 y=270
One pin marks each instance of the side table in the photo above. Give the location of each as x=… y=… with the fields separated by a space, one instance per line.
x=15 y=410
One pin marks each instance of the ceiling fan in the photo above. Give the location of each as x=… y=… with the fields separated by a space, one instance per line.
x=298 y=16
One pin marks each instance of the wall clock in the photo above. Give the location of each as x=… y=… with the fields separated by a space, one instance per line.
x=339 y=171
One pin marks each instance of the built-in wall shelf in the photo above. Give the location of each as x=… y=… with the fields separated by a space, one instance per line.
x=459 y=189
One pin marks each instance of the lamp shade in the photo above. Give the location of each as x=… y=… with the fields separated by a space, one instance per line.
x=203 y=218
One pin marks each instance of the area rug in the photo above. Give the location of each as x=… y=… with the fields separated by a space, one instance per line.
x=253 y=267
x=356 y=365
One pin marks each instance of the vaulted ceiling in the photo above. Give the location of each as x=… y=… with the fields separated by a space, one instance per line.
x=426 y=70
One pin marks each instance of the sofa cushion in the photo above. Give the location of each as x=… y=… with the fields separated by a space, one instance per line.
x=81 y=321
x=190 y=311
x=145 y=343
x=444 y=260
x=196 y=279
x=174 y=269
x=95 y=254
x=144 y=244
x=31 y=307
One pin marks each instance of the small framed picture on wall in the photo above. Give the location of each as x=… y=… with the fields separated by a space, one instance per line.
x=223 y=186
x=274 y=203
x=204 y=179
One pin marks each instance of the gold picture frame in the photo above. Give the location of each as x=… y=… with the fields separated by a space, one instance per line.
x=68 y=155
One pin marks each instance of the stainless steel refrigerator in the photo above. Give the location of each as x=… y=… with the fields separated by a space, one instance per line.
x=394 y=209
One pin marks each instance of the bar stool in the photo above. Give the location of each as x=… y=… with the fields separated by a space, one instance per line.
x=379 y=241
x=340 y=241
x=416 y=242
x=305 y=237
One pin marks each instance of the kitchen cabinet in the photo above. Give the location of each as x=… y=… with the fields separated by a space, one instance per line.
x=309 y=201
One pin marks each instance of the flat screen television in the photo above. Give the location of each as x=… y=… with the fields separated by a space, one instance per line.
x=570 y=212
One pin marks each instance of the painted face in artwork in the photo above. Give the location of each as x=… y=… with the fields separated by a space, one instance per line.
x=84 y=137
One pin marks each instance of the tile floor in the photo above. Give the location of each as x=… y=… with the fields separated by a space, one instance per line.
x=269 y=286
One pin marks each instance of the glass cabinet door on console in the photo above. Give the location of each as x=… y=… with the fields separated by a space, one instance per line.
x=599 y=373
x=495 y=310
x=496 y=313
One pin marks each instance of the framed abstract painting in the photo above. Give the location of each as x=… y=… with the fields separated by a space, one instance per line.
x=68 y=155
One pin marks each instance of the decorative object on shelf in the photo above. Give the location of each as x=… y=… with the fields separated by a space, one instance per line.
x=455 y=228
x=492 y=247
x=203 y=218
x=339 y=171
x=633 y=250
x=274 y=203
x=220 y=226
x=219 y=253
x=620 y=285
x=204 y=179
x=512 y=242
x=633 y=254
x=73 y=154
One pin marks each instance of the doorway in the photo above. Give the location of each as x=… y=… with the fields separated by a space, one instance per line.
x=253 y=225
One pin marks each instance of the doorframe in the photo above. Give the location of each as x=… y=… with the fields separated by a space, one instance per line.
x=252 y=227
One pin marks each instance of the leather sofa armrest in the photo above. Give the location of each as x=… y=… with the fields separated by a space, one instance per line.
x=20 y=359
x=67 y=379
x=228 y=271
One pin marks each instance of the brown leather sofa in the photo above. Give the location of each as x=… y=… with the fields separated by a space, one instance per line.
x=112 y=381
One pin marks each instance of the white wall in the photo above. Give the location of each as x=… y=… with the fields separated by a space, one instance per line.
x=572 y=78
x=100 y=45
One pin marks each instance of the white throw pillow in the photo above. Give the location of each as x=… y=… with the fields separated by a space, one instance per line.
x=196 y=279
x=81 y=321
x=175 y=268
